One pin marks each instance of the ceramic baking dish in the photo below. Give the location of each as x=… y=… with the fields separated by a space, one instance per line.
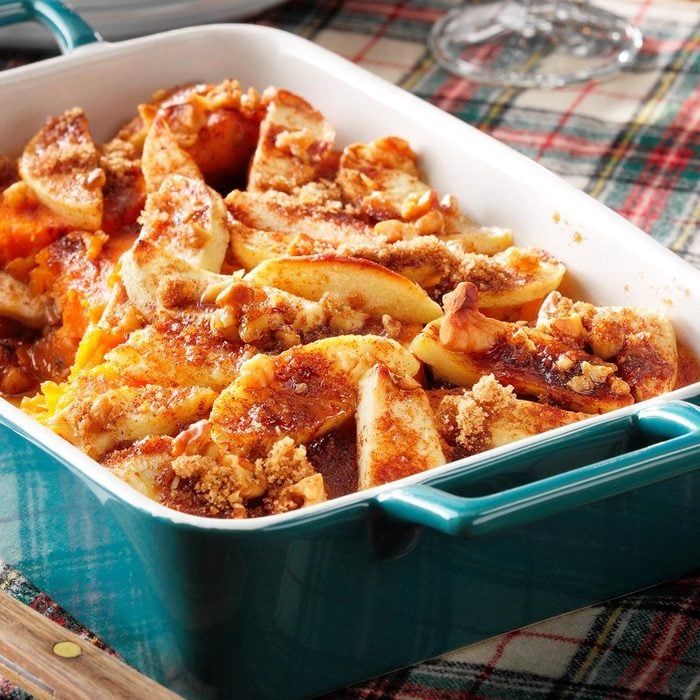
x=297 y=604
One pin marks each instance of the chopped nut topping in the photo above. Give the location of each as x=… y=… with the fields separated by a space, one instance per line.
x=292 y=481
x=521 y=336
x=418 y=204
x=395 y=230
x=391 y=326
x=18 y=195
x=564 y=363
x=195 y=440
x=294 y=142
x=597 y=373
x=95 y=179
x=464 y=328
x=431 y=223
x=591 y=376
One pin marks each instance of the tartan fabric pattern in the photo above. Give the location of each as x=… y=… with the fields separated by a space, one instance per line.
x=642 y=646
x=630 y=141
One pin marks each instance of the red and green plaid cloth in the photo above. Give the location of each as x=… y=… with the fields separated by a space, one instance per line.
x=633 y=143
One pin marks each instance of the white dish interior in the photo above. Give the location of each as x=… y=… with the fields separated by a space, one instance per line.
x=610 y=261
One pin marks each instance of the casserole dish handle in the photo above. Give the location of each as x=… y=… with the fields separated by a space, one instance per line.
x=676 y=424
x=68 y=28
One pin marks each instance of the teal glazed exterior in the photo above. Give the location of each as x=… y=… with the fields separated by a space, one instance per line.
x=295 y=606
x=332 y=597
x=68 y=28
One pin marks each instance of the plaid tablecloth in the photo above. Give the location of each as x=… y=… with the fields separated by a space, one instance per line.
x=632 y=142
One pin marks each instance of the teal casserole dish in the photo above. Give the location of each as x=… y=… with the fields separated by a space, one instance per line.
x=298 y=604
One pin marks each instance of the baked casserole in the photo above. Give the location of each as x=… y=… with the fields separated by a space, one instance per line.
x=239 y=318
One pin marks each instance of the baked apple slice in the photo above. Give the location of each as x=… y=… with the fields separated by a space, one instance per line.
x=426 y=260
x=98 y=417
x=264 y=316
x=396 y=432
x=162 y=156
x=491 y=415
x=464 y=345
x=62 y=167
x=178 y=350
x=273 y=224
x=143 y=464
x=189 y=221
x=252 y=246
x=19 y=303
x=641 y=342
x=505 y=281
x=381 y=179
x=361 y=284
x=513 y=277
x=295 y=145
x=277 y=211
x=273 y=319
x=302 y=393
x=155 y=280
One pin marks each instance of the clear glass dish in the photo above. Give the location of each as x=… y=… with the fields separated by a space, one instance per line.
x=533 y=43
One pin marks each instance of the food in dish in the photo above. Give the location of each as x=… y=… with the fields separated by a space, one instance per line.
x=240 y=318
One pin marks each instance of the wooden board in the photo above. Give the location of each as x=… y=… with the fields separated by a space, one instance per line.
x=49 y=661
